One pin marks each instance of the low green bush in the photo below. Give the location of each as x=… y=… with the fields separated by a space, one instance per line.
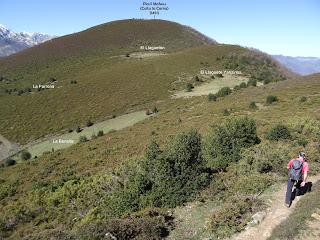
x=302 y=142
x=236 y=88
x=251 y=184
x=266 y=81
x=223 y=145
x=232 y=217
x=100 y=133
x=197 y=79
x=78 y=129
x=58 y=234
x=279 y=132
x=307 y=127
x=264 y=158
x=93 y=136
x=271 y=99
x=243 y=85
x=20 y=92
x=89 y=123
x=253 y=105
x=252 y=82
x=148 y=112
x=150 y=225
x=8 y=190
x=25 y=155
x=313 y=157
x=226 y=112
x=238 y=180
x=177 y=172
x=155 y=109
x=83 y=139
x=223 y=92
x=165 y=178
x=189 y=87
x=52 y=79
x=212 y=97
x=303 y=99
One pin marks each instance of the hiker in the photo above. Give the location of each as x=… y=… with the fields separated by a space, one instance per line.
x=298 y=173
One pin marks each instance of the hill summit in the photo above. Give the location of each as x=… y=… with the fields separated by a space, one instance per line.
x=117 y=36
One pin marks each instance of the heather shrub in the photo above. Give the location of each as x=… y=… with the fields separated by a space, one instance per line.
x=243 y=85
x=223 y=145
x=10 y=162
x=303 y=99
x=279 y=132
x=308 y=127
x=226 y=112
x=100 y=133
x=212 y=97
x=271 y=99
x=25 y=155
x=252 y=82
x=89 y=123
x=253 y=105
x=232 y=217
x=264 y=158
x=83 y=139
x=189 y=87
x=223 y=92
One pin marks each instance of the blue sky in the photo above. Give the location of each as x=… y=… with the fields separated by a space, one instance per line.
x=288 y=27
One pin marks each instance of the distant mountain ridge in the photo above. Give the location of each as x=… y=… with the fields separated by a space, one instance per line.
x=12 y=42
x=300 y=65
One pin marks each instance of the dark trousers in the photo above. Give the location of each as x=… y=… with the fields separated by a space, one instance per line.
x=291 y=195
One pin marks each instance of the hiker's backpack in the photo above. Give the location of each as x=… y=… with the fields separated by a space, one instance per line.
x=296 y=170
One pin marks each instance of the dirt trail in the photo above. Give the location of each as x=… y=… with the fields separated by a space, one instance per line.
x=276 y=213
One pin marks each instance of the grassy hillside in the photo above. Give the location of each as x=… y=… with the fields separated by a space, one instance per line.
x=112 y=37
x=108 y=86
x=102 y=72
x=105 y=87
x=69 y=174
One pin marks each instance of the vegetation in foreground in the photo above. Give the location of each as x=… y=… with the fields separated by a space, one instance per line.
x=75 y=182
x=232 y=163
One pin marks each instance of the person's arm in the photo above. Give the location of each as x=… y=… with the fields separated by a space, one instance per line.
x=305 y=173
x=305 y=176
x=290 y=163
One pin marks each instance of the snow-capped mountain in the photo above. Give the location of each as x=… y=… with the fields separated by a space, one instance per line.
x=12 y=42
